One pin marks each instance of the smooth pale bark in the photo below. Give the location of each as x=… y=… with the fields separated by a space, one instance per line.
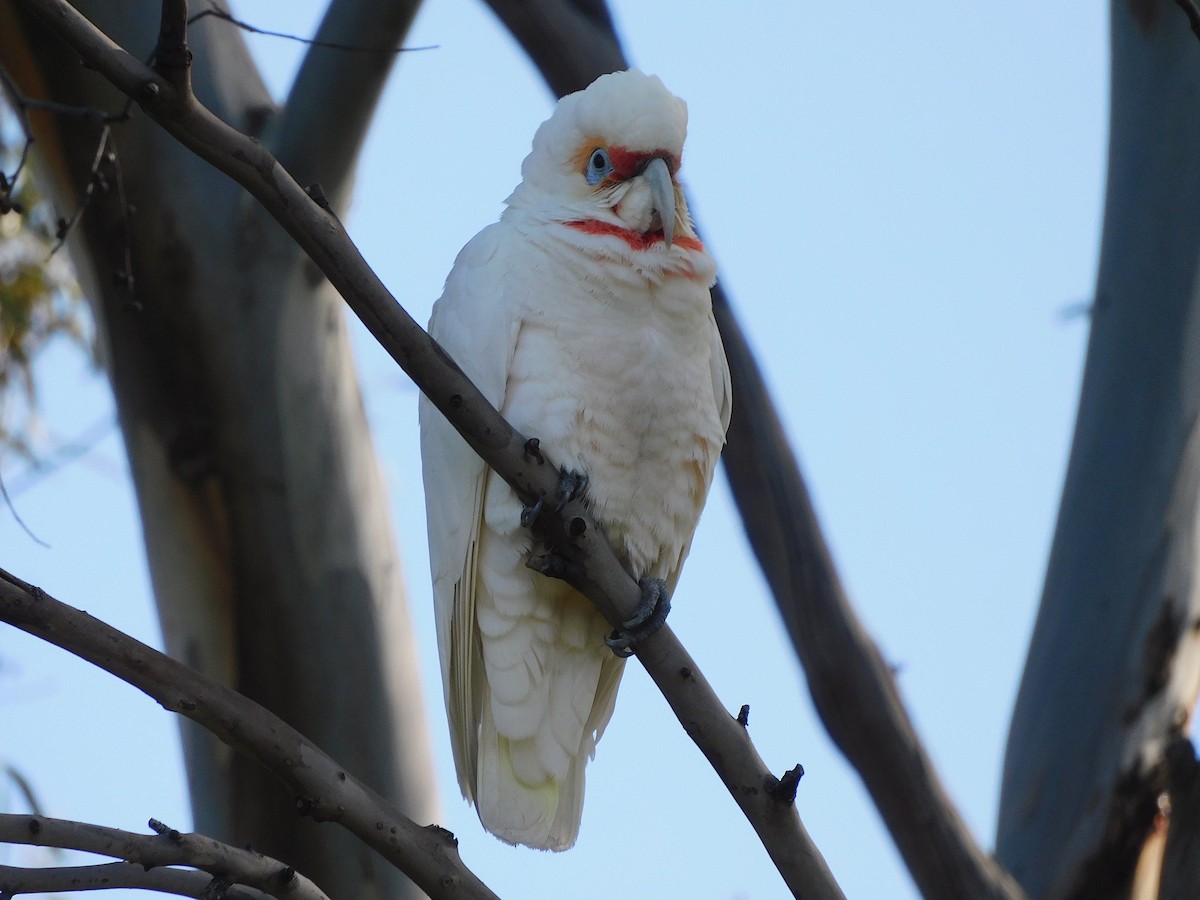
x=1114 y=665
x=270 y=549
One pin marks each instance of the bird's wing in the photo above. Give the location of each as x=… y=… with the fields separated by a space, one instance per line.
x=478 y=329
x=722 y=389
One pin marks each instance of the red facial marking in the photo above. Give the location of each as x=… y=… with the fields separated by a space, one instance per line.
x=627 y=163
x=635 y=239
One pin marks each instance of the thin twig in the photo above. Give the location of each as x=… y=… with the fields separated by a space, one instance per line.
x=312 y=42
x=68 y=450
x=324 y=790
x=23 y=105
x=65 y=226
x=17 y=516
x=167 y=848
x=331 y=103
x=598 y=573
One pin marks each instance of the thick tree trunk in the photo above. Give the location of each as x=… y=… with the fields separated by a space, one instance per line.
x=271 y=553
x=1114 y=665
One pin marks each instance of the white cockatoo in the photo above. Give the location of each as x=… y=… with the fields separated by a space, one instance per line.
x=584 y=316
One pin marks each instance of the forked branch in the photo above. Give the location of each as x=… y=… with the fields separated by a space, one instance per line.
x=216 y=861
x=323 y=789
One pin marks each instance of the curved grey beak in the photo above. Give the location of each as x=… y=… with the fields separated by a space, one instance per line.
x=663 y=189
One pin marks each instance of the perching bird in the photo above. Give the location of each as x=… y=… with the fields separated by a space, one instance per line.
x=584 y=316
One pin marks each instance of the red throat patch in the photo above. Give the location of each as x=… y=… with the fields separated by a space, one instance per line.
x=635 y=239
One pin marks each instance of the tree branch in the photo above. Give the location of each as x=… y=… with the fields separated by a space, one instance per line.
x=332 y=100
x=15 y=881
x=1113 y=670
x=572 y=42
x=323 y=789
x=851 y=684
x=598 y=574
x=852 y=687
x=166 y=848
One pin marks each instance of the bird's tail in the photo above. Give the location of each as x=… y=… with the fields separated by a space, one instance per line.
x=544 y=815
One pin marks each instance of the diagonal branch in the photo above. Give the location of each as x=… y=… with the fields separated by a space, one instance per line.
x=851 y=684
x=597 y=572
x=332 y=100
x=15 y=881
x=166 y=848
x=324 y=790
x=852 y=687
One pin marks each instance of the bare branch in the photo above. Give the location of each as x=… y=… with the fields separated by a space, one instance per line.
x=333 y=98
x=225 y=16
x=324 y=790
x=15 y=881
x=598 y=574
x=166 y=848
x=852 y=686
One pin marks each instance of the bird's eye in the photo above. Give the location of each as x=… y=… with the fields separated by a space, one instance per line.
x=599 y=166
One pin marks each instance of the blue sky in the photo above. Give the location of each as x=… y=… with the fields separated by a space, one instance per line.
x=904 y=201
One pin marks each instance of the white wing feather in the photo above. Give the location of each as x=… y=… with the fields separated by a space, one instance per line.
x=479 y=332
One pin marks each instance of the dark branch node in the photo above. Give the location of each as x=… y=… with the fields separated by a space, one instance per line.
x=551 y=564
x=316 y=193
x=743 y=716
x=306 y=806
x=533 y=450
x=35 y=826
x=444 y=834
x=217 y=888
x=166 y=830
x=784 y=789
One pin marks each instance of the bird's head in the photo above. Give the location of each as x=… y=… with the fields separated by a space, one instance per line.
x=606 y=161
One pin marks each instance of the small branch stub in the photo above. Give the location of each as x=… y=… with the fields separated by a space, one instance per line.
x=784 y=789
x=743 y=716
x=166 y=830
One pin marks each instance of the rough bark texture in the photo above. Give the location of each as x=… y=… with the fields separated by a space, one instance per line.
x=1114 y=665
x=270 y=549
x=1181 y=861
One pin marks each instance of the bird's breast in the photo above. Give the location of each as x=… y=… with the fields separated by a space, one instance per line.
x=618 y=385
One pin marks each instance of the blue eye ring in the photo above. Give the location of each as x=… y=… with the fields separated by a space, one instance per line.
x=599 y=166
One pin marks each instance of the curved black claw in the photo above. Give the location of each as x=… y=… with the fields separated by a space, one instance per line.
x=571 y=486
x=529 y=514
x=649 y=616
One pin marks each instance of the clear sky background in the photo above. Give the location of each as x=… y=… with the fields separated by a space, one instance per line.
x=904 y=201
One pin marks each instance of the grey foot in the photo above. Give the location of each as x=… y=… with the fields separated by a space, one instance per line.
x=649 y=616
x=571 y=486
